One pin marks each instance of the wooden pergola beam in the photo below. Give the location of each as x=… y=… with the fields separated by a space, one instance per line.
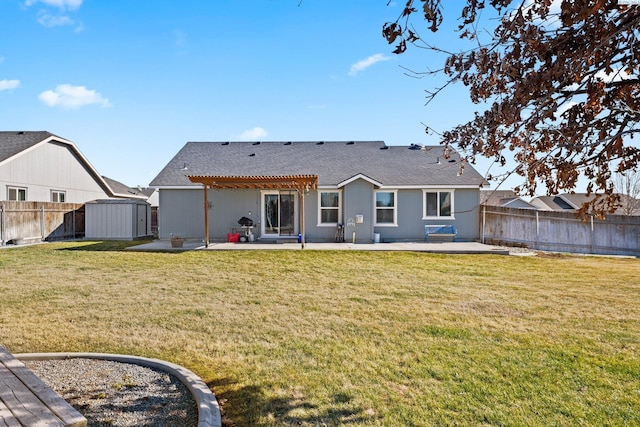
x=301 y=183
x=283 y=182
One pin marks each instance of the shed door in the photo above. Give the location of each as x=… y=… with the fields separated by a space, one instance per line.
x=142 y=221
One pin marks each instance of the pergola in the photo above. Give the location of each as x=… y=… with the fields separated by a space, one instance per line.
x=300 y=183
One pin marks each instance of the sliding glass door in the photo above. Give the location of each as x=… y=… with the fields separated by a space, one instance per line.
x=279 y=213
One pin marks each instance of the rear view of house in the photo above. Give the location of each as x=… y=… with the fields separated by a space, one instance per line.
x=369 y=189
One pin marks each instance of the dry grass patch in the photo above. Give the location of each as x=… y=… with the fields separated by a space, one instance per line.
x=349 y=338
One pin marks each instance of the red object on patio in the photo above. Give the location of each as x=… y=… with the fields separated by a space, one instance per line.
x=233 y=237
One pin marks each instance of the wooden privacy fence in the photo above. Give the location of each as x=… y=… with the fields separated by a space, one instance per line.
x=36 y=221
x=560 y=231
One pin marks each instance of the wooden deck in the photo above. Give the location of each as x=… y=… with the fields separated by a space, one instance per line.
x=25 y=400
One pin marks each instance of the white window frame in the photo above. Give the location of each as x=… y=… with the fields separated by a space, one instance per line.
x=425 y=191
x=57 y=193
x=395 y=209
x=320 y=208
x=17 y=190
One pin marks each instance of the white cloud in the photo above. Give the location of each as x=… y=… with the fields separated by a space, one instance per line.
x=9 y=84
x=366 y=63
x=50 y=21
x=256 y=133
x=62 y=4
x=69 y=96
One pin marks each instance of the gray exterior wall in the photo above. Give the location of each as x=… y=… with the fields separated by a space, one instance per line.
x=411 y=225
x=467 y=213
x=313 y=232
x=50 y=167
x=227 y=207
x=358 y=200
x=181 y=213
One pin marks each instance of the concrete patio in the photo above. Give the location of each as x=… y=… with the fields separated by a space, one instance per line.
x=445 y=248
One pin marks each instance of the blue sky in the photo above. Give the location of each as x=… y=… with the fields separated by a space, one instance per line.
x=130 y=82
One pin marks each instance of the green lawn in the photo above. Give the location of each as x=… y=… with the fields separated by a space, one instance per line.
x=318 y=338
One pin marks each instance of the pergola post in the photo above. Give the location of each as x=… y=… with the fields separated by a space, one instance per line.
x=302 y=234
x=206 y=216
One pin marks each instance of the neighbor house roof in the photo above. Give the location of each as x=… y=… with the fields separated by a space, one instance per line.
x=335 y=163
x=15 y=143
x=562 y=202
x=504 y=198
x=574 y=201
x=121 y=190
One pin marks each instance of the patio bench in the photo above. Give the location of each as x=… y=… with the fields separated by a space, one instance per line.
x=25 y=400
x=439 y=233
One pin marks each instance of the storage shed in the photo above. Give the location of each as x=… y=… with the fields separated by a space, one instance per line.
x=117 y=219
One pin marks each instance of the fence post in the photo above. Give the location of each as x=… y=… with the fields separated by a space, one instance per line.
x=592 y=234
x=484 y=214
x=2 y=225
x=42 y=223
x=537 y=230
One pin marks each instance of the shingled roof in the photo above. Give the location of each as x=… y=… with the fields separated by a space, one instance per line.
x=334 y=162
x=14 y=142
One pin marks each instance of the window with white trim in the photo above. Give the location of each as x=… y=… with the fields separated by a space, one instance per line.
x=58 y=196
x=329 y=208
x=16 y=193
x=437 y=204
x=386 y=208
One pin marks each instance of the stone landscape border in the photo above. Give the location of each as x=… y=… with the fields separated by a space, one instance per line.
x=208 y=409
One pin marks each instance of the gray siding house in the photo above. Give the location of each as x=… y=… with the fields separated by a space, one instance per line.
x=42 y=167
x=372 y=190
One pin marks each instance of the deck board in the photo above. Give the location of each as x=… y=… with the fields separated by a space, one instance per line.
x=25 y=400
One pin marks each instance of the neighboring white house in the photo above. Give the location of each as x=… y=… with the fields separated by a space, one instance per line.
x=42 y=167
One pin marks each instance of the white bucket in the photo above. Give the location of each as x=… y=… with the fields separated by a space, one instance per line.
x=376 y=237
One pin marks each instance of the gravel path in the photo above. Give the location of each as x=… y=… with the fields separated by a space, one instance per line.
x=114 y=394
